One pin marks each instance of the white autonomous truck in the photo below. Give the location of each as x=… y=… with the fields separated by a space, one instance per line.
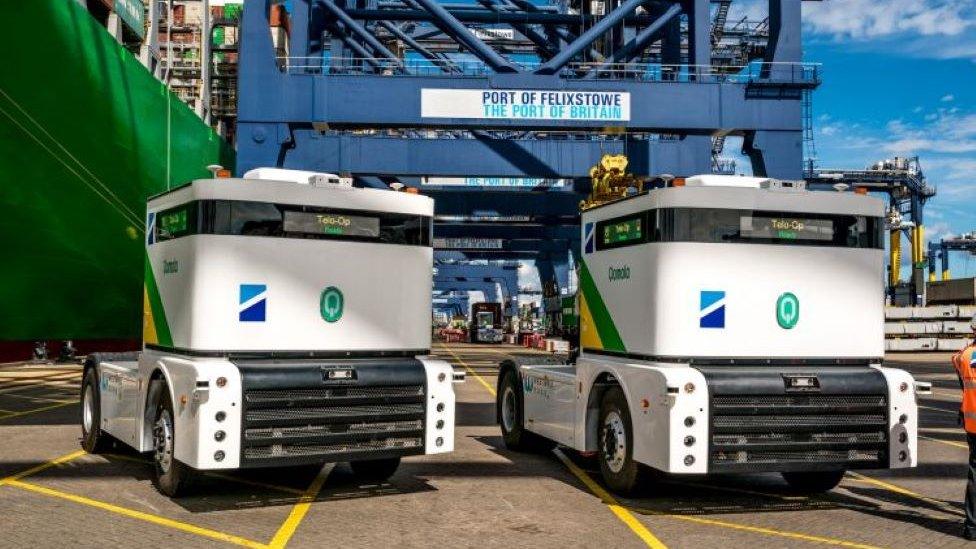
x=287 y=322
x=728 y=325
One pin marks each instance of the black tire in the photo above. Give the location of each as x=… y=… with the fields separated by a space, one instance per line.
x=813 y=482
x=376 y=470
x=171 y=477
x=511 y=419
x=93 y=439
x=620 y=472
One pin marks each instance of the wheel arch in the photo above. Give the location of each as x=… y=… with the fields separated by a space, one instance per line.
x=602 y=383
x=158 y=382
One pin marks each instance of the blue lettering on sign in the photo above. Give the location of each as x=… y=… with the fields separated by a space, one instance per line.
x=253 y=302
x=711 y=309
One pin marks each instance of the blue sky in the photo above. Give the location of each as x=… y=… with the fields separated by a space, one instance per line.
x=899 y=78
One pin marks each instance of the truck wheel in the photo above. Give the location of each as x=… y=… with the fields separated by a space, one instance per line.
x=814 y=481
x=510 y=409
x=376 y=470
x=616 y=439
x=172 y=477
x=93 y=439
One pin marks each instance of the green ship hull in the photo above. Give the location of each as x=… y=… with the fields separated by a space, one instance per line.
x=86 y=134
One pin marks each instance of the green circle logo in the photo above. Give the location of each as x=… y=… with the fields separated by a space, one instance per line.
x=787 y=310
x=331 y=304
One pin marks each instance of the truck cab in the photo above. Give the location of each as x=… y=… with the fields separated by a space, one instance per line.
x=286 y=322
x=727 y=324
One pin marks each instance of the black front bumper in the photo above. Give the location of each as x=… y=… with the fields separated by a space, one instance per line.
x=317 y=411
x=757 y=423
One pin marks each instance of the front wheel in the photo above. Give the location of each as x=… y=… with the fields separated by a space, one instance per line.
x=376 y=470
x=813 y=482
x=510 y=415
x=172 y=477
x=93 y=439
x=621 y=473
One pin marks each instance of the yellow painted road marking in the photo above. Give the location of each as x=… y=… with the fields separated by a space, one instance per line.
x=943 y=506
x=287 y=530
x=53 y=463
x=760 y=530
x=949 y=442
x=36 y=410
x=471 y=371
x=622 y=513
x=139 y=515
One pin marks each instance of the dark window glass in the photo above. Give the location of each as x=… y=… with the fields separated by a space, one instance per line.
x=241 y=218
x=765 y=227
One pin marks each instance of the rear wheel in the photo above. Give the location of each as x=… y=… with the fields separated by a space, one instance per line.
x=814 y=481
x=510 y=412
x=616 y=438
x=93 y=439
x=173 y=478
x=375 y=469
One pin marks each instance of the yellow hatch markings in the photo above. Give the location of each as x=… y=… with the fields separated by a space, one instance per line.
x=470 y=370
x=280 y=539
x=287 y=530
x=215 y=474
x=53 y=463
x=36 y=410
x=943 y=506
x=622 y=513
x=761 y=530
x=949 y=442
x=139 y=515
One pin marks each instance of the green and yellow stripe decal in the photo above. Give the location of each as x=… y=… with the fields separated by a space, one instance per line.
x=597 y=330
x=155 y=329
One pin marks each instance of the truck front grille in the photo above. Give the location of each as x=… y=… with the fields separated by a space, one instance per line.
x=777 y=432
x=334 y=423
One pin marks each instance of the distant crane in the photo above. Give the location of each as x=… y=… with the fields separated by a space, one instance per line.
x=908 y=191
x=940 y=250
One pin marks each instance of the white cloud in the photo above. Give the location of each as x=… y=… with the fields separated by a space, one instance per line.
x=930 y=29
x=865 y=19
x=947 y=98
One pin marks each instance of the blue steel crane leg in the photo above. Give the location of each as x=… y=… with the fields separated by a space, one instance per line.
x=780 y=153
x=699 y=32
x=639 y=42
x=775 y=153
x=558 y=61
x=784 y=44
x=454 y=28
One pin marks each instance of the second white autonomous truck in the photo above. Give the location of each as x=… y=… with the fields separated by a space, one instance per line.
x=729 y=324
x=287 y=322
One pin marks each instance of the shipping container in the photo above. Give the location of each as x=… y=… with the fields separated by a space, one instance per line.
x=959 y=291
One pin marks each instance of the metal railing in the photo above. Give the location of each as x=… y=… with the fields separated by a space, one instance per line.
x=773 y=73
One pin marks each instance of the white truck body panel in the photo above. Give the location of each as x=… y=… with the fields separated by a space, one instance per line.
x=124 y=413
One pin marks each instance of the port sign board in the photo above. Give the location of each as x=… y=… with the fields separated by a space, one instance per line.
x=133 y=14
x=468 y=244
x=580 y=106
